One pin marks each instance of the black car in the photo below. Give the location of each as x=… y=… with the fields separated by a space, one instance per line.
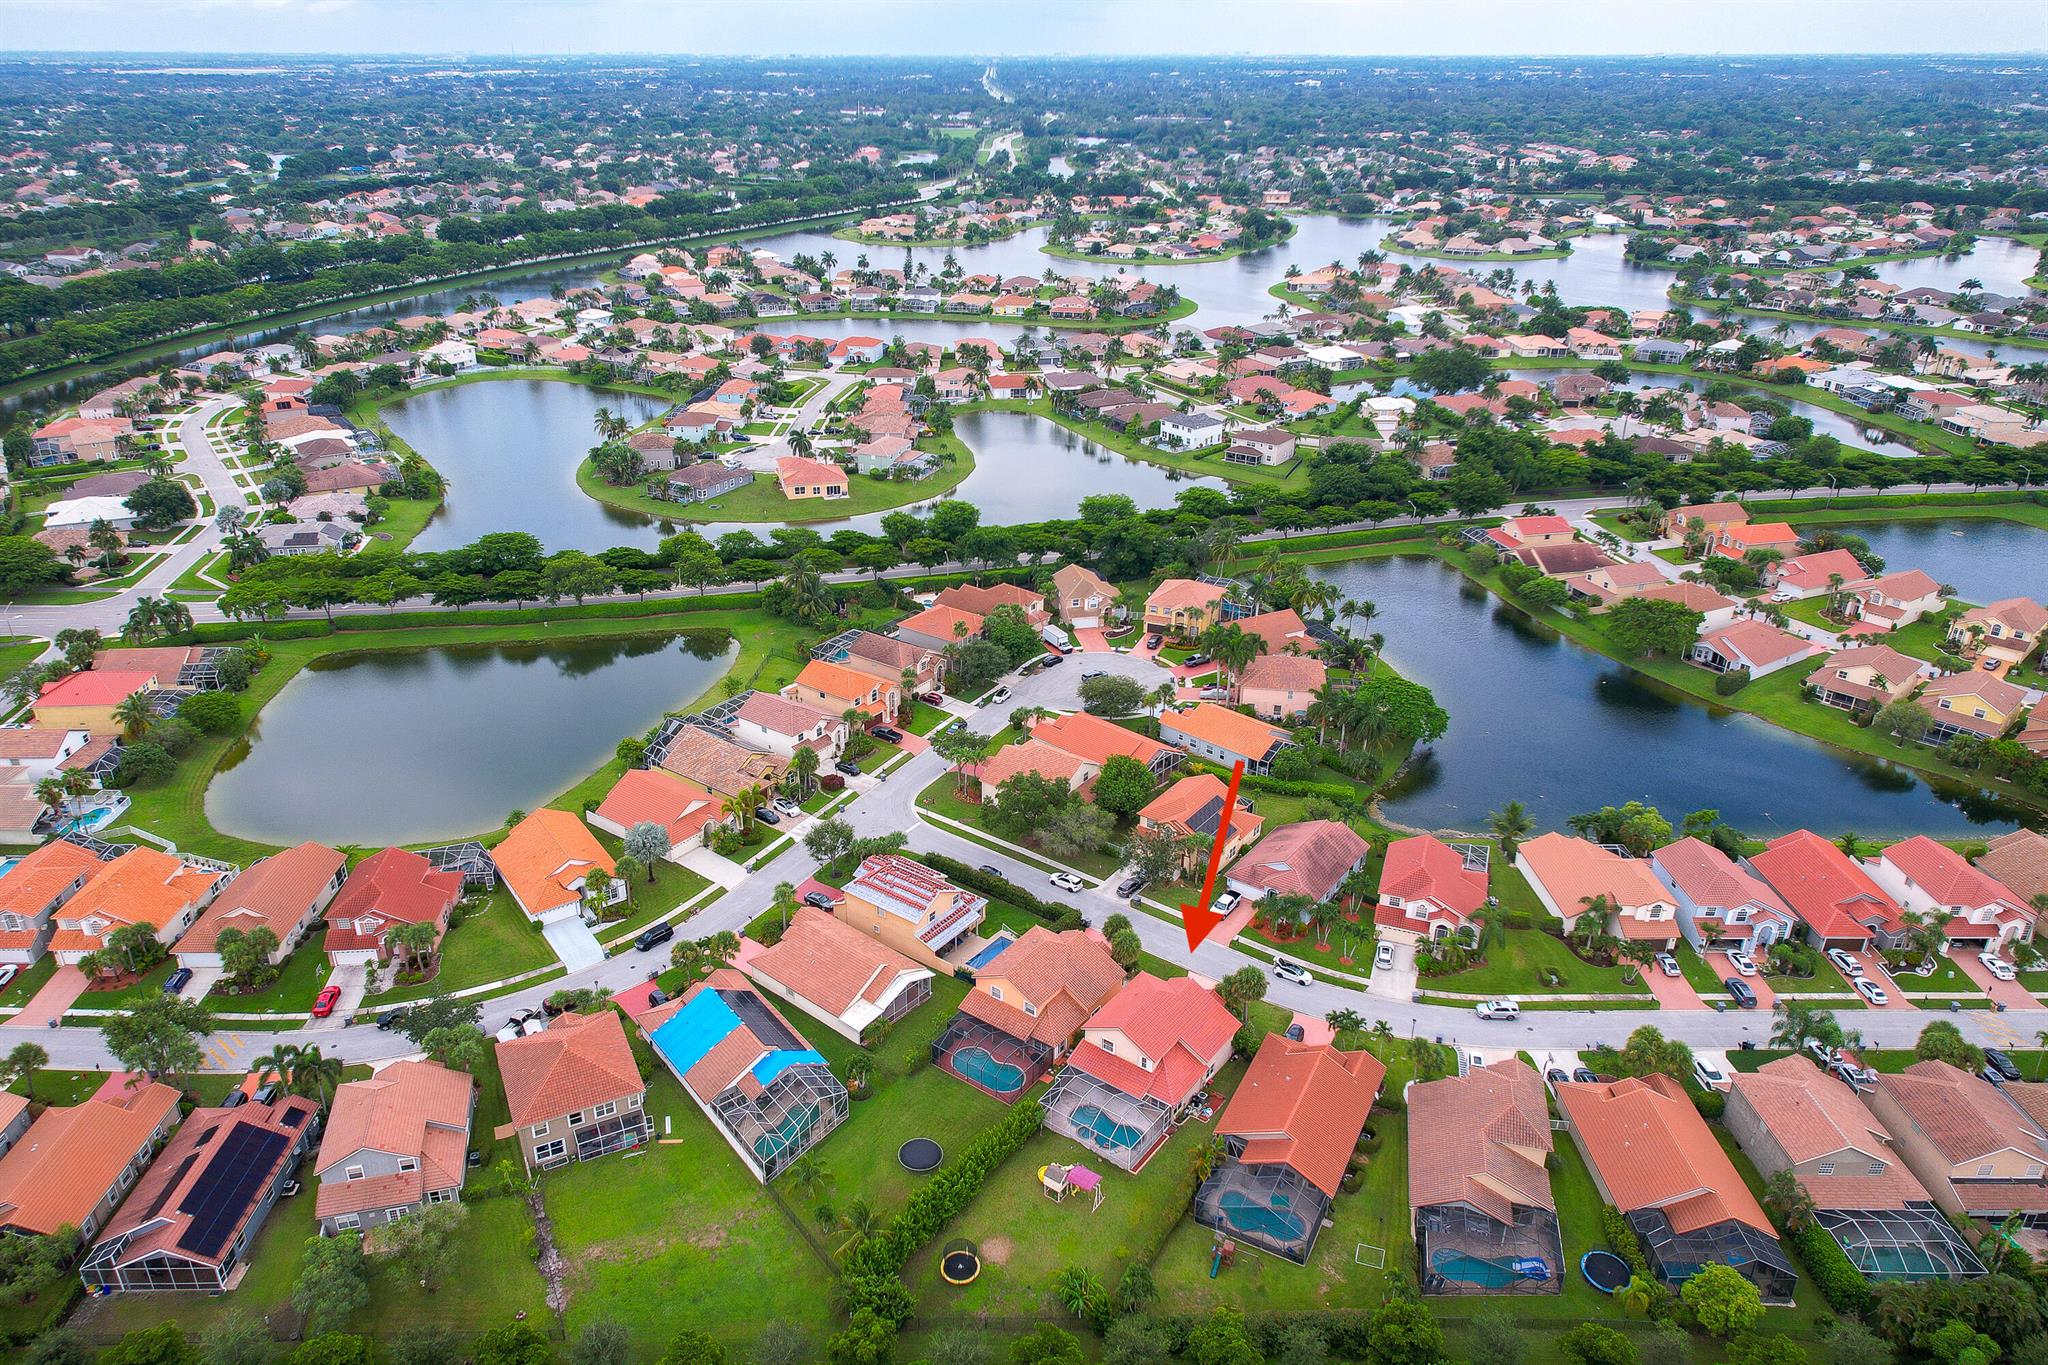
x=1129 y=887
x=2001 y=1063
x=653 y=936
x=1556 y=1075
x=1739 y=989
x=817 y=900
x=888 y=734
x=1054 y=660
x=988 y=871
x=851 y=769
x=391 y=1019
x=767 y=816
x=177 y=981
x=1584 y=1075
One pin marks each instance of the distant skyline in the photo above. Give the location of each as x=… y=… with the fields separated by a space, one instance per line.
x=1306 y=29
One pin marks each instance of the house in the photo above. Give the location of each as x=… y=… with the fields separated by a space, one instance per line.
x=799 y=477
x=75 y=1162
x=1928 y=878
x=980 y=601
x=550 y=863
x=391 y=887
x=1750 y=644
x=764 y=720
x=1653 y=1157
x=1974 y=703
x=1479 y=1188
x=887 y=658
x=1429 y=890
x=1311 y=858
x=31 y=892
x=1262 y=446
x=573 y=1090
x=1081 y=596
x=1283 y=631
x=654 y=796
x=1789 y=1115
x=1894 y=599
x=1025 y=1008
x=1972 y=1146
x=394 y=1144
x=704 y=480
x=1837 y=902
x=198 y=1210
x=283 y=893
x=1192 y=810
x=1721 y=904
x=1190 y=431
x=715 y=763
x=1812 y=575
x=1999 y=634
x=87 y=701
x=1567 y=872
x=849 y=981
x=1715 y=610
x=1093 y=740
x=1865 y=677
x=1034 y=757
x=15 y=1119
x=767 y=1092
x=1281 y=687
x=1184 y=606
x=1736 y=541
x=144 y=886
x=835 y=689
x=909 y=909
x=938 y=628
x=1610 y=583
x=30 y=753
x=1288 y=1134
x=2018 y=860
x=1224 y=736
x=1143 y=1057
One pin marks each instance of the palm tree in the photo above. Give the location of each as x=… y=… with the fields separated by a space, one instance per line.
x=808 y=1176
x=316 y=1077
x=136 y=715
x=1787 y=1202
x=860 y=1069
x=107 y=541
x=52 y=792
x=245 y=549
x=280 y=1066
x=1510 y=825
x=142 y=619
x=859 y=1223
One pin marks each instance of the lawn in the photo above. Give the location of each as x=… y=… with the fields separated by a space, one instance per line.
x=940 y=799
x=487 y=945
x=681 y=1233
x=305 y=972
x=1516 y=968
x=28 y=981
x=762 y=500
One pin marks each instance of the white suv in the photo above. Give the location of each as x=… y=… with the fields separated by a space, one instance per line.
x=1846 y=961
x=1498 y=1009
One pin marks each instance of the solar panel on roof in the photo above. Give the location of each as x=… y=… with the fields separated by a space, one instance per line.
x=761 y=1021
x=228 y=1185
x=294 y=1118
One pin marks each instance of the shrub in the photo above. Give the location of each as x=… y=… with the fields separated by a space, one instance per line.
x=1591 y=1344
x=1710 y=1103
x=942 y=1196
x=1729 y=683
x=1622 y=1240
x=1838 y=1280
x=213 y=713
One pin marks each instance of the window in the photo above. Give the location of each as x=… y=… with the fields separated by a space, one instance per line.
x=576 y=1119
x=347 y=1221
x=605 y=1110
x=549 y=1151
x=1984 y=1170
x=352 y=1173
x=1825 y=1168
x=406 y=1163
x=995 y=992
x=540 y=1130
x=633 y=1101
x=440 y=1196
x=1107 y=1045
x=395 y=1215
x=1877 y=1168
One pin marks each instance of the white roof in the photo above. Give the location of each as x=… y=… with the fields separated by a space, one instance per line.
x=86 y=511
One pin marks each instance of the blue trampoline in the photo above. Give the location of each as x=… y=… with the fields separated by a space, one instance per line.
x=977 y=1064
x=1274 y=1221
x=1104 y=1131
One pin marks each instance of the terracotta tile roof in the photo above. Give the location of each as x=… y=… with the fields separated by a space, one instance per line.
x=578 y=1061
x=1094 y=739
x=1302 y=1105
x=2019 y=860
x=2016 y=613
x=1692 y=596
x=1652 y=1150
x=274 y=894
x=716 y=763
x=1176 y=593
x=899 y=654
x=937 y=623
x=1032 y=756
x=1489 y=1135
x=1231 y=731
x=1283 y=673
x=143 y=886
x=27 y=888
x=1712 y=880
x=1078 y=580
x=1815 y=570
x=545 y=859
x=70 y=1157
x=1279 y=629
x=1424 y=867
x=417 y=1109
x=1066 y=976
x=1813 y=1117
x=832 y=964
x=34 y=741
x=837 y=681
x=163 y=661
x=1942 y=873
x=1177 y=1024
x=782 y=715
x=1194 y=805
x=1964 y=1116
x=94 y=688
x=1824 y=886
x=981 y=601
x=1307 y=859
x=1755 y=642
x=680 y=807
x=1573 y=870
x=394 y=885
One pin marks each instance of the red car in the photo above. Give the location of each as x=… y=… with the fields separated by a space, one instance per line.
x=329 y=997
x=932 y=698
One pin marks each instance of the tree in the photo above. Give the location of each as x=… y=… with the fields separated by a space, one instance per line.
x=1510 y=825
x=26 y=564
x=512 y=1343
x=1124 y=786
x=690 y=1346
x=159 y=1035
x=1942 y=1041
x=1222 y=1338
x=136 y=715
x=160 y=503
x=647 y=843
x=413 y=943
x=1495 y=1338
x=443 y=1011
x=430 y=1343
x=1787 y=1202
x=1450 y=369
x=163 y=1344
x=829 y=839
x=1402 y=1332
x=1047 y=1344
x=236 y=1339
x=245 y=956
x=1648 y=1052
x=29 y=1262
x=1958 y=1343
x=460 y=1048
x=1592 y=1344
x=1904 y=720
x=1722 y=1300
x=1645 y=627
x=1110 y=695
x=22 y=1064
x=213 y=713
x=334 y=1348
x=1756 y=1348
x=1240 y=990
x=333 y=1280
x=1795 y=1022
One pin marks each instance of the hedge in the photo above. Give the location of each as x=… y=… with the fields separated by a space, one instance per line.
x=1622 y=1240
x=1794 y=505
x=995 y=888
x=945 y=1194
x=1839 y=1281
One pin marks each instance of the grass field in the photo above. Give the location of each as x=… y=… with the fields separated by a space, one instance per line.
x=488 y=945
x=1517 y=968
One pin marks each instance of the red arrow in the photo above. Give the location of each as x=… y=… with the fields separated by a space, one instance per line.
x=1200 y=919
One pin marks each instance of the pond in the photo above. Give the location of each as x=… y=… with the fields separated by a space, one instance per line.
x=1983 y=558
x=402 y=747
x=1538 y=719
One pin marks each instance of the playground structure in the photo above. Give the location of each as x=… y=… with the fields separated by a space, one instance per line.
x=1605 y=1271
x=920 y=1155
x=1222 y=1253
x=1060 y=1181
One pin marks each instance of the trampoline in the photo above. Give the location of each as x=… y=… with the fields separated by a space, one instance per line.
x=920 y=1155
x=977 y=1064
x=1104 y=1131
x=1605 y=1271
x=1272 y=1221
x=959 y=1263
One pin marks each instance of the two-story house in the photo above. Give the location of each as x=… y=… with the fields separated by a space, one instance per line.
x=1570 y=876
x=394 y=1144
x=1083 y=599
x=836 y=689
x=910 y=909
x=574 y=1091
x=144 y=886
x=1721 y=904
x=31 y=892
x=1143 y=1057
x=1930 y=878
x=1429 y=889
x=1974 y=1149
x=1025 y=1008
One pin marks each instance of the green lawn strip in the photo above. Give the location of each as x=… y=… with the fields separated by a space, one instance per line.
x=304 y=973
x=28 y=981
x=488 y=945
x=1515 y=967
x=150 y=983
x=682 y=1233
x=940 y=799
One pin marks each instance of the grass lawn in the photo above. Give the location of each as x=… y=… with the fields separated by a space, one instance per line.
x=939 y=798
x=120 y=997
x=488 y=945
x=28 y=981
x=859 y=1157
x=1946 y=979
x=762 y=500
x=305 y=972
x=921 y=719
x=681 y=1233
x=1516 y=968
x=53 y=1086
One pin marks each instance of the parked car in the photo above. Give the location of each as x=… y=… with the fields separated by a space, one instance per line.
x=888 y=734
x=1997 y=965
x=391 y=1019
x=1708 y=1074
x=1822 y=1053
x=1497 y=1009
x=1556 y=1076
x=177 y=981
x=1067 y=881
x=654 y=936
x=2001 y=1063
x=818 y=900
x=1667 y=964
x=1383 y=956
x=1294 y=972
x=1195 y=659
x=847 y=766
x=1871 y=991
x=1743 y=964
x=788 y=807
x=1846 y=962
x=1154 y=640
x=1850 y=1076
x=1740 y=991
x=1584 y=1075
x=999 y=696
x=1052 y=661
x=767 y=816
x=932 y=698
x=1225 y=902
x=1129 y=887
x=1094 y=673
x=657 y=996
x=8 y=971
x=324 y=1003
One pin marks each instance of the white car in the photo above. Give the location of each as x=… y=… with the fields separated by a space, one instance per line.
x=1822 y=1053
x=1742 y=964
x=1067 y=881
x=1845 y=961
x=788 y=807
x=1997 y=965
x=1293 y=972
x=1667 y=964
x=1871 y=991
x=1383 y=956
x=999 y=696
x=1497 y=1009
x=1709 y=1075
x=8 y=971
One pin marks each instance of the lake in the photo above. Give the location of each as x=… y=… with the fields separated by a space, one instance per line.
x=1538 y=719
x=401 y=747
x=1982 y=558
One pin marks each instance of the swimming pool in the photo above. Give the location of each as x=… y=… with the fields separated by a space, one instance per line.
x=793 y=1131
x=1477 y=1270
x=98 y=818
x=979 y=1066
x=992 y=951
x=1275 y=1221
x=7 y=865
x=1104 y=1131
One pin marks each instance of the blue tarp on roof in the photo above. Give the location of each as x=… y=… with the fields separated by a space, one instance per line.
x=700 y=1025
x=775 y=1063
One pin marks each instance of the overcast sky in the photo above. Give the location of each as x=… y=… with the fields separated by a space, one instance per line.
x=995 y=27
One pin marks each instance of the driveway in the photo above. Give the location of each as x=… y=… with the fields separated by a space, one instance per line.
x=1398 y=981
x=2010 y=994
x=1059 y=689
x=574 y=943
x=1673 y=992
x=65 y=985
x=353 y=982
x=714 y=867
x=1718 y=963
